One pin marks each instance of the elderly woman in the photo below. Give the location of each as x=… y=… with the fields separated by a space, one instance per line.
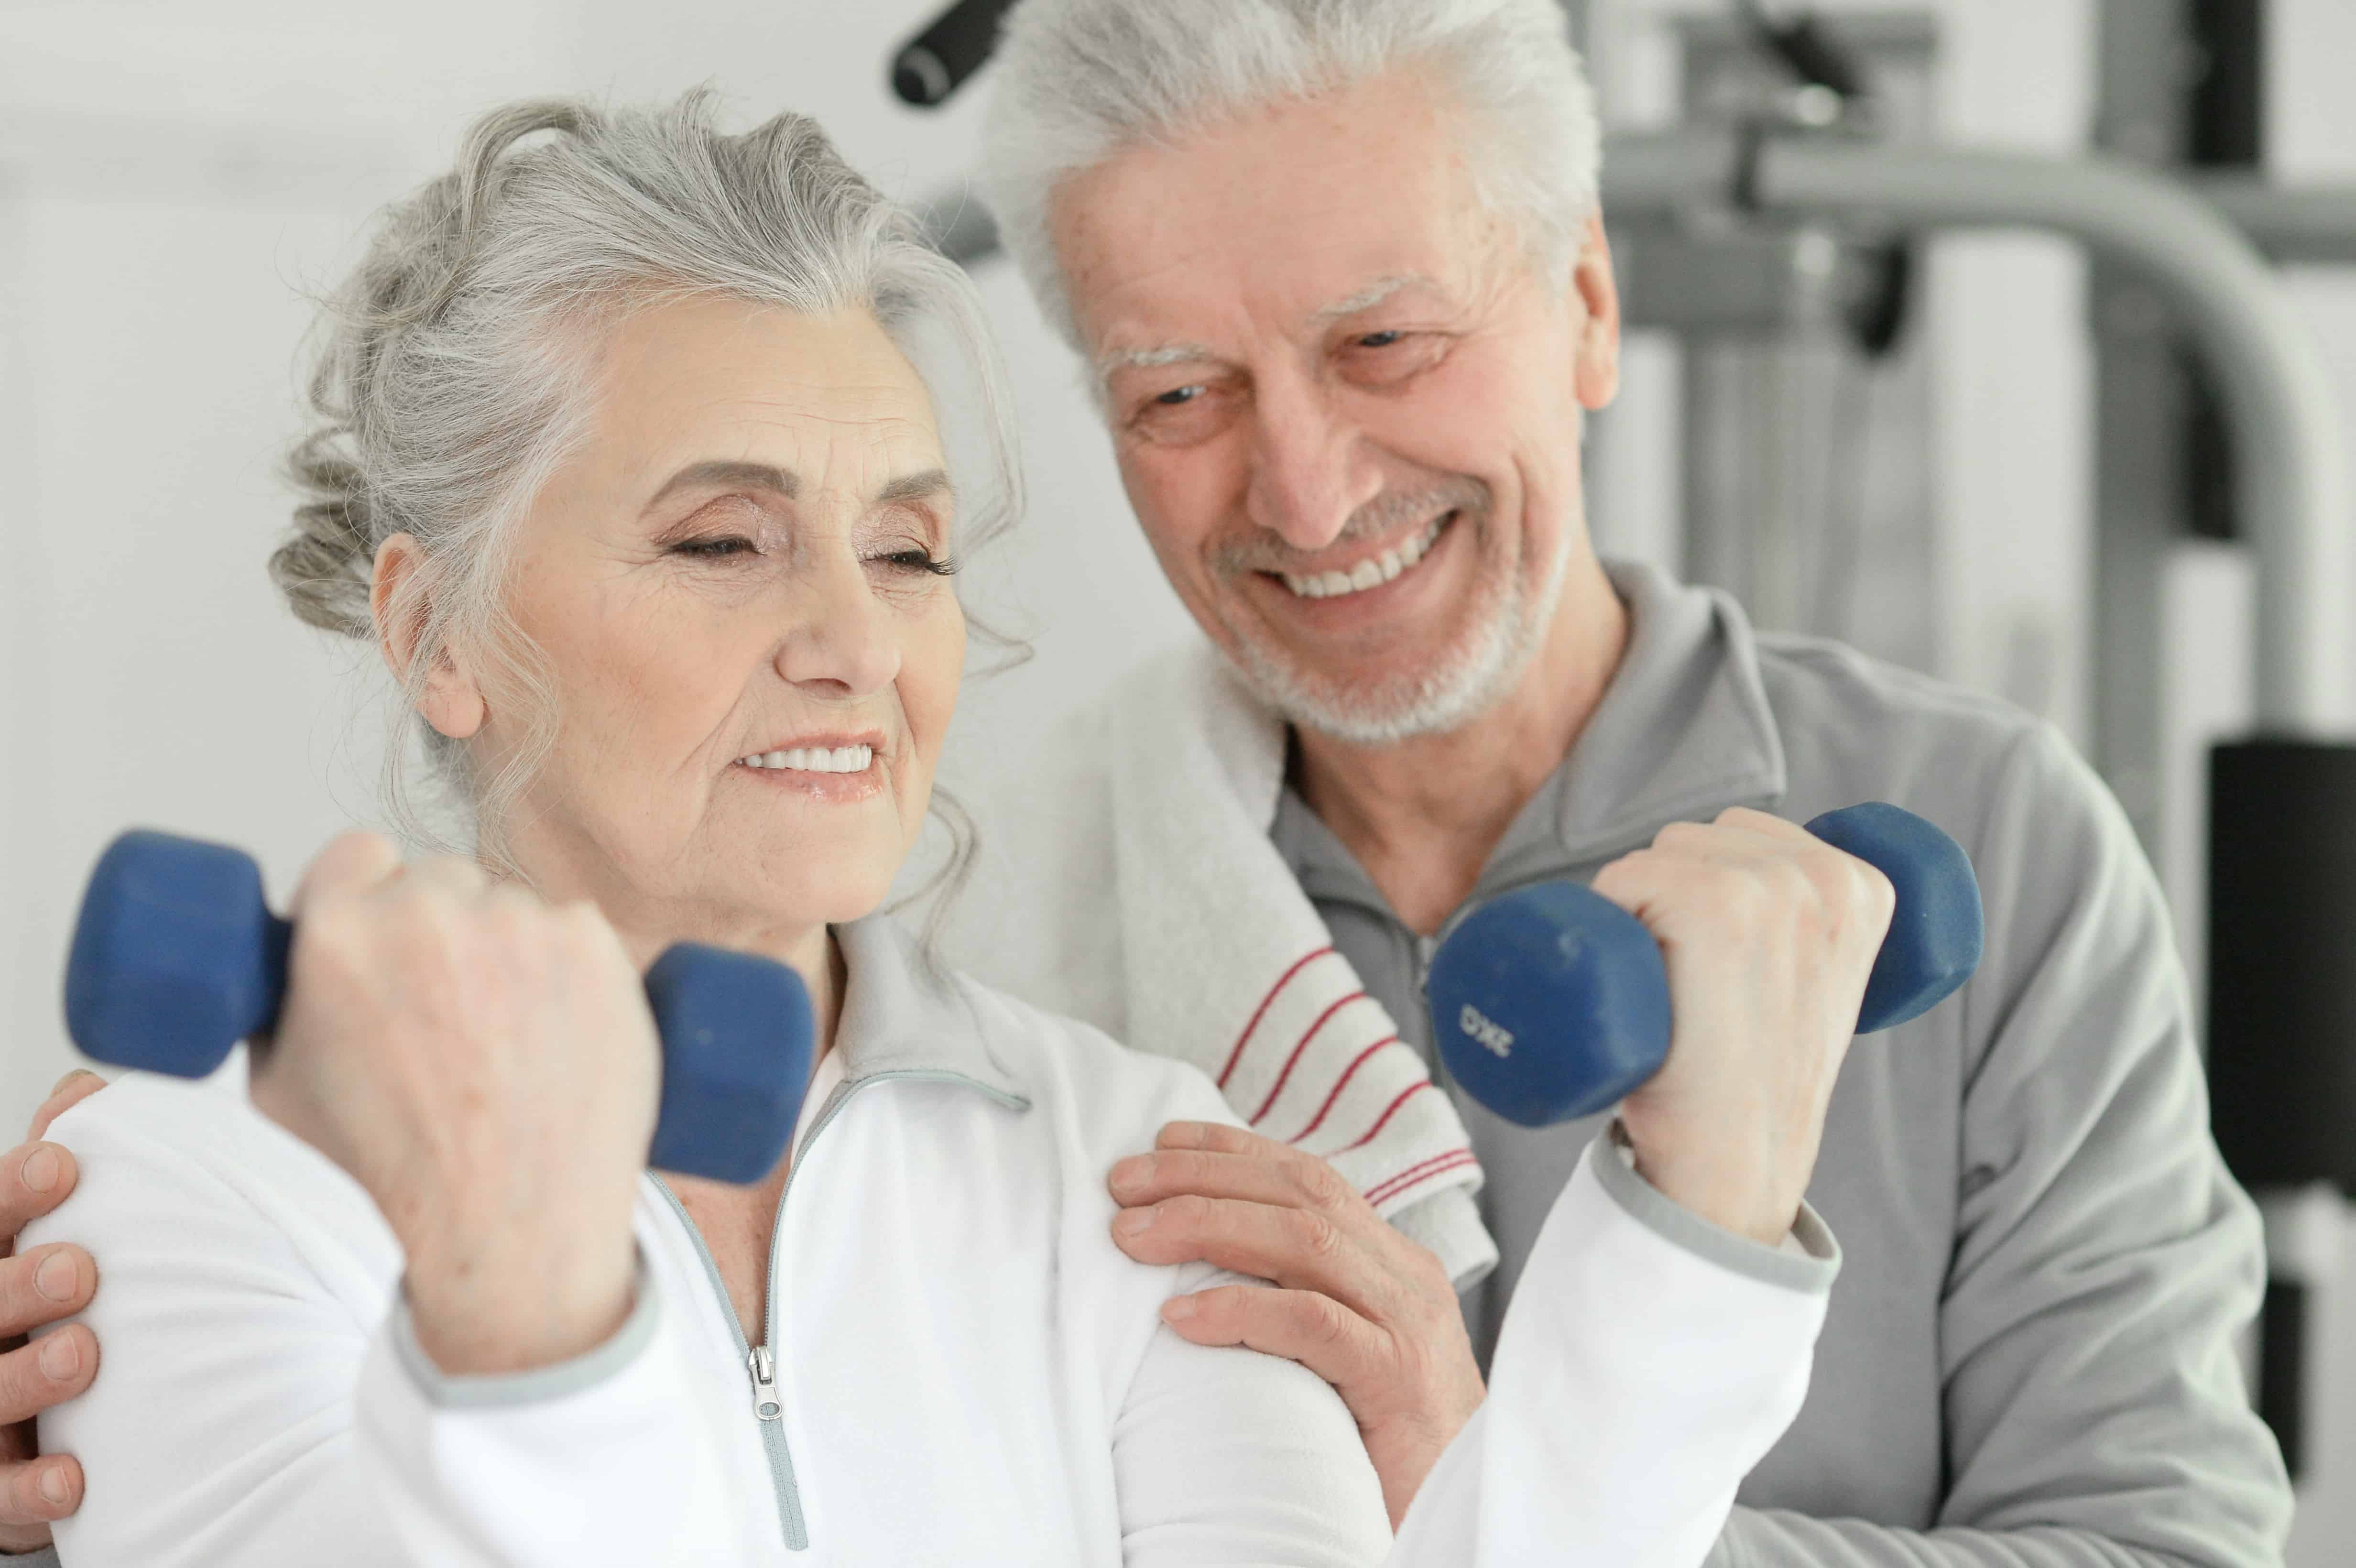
x=626 y=463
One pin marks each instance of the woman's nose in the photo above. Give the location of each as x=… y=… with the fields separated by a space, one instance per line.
x=844 y=644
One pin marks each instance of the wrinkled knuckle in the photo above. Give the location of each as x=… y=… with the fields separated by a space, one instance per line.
x=1321 y=1185
x=1321 y=1319
x=1678 y=838
x=1880 y=895
x=1319 y=1237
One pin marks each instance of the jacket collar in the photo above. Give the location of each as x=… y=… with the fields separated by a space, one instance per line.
x=1684 y=728
x=903 y=1015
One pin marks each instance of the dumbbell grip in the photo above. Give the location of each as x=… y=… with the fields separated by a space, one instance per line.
x=176 y=956
x=1550 y=1002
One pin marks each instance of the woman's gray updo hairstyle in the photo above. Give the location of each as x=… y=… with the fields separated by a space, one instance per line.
x=453 y=365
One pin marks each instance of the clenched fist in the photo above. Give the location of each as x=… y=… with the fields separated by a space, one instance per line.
x=1769 y=936
x=484 y=1064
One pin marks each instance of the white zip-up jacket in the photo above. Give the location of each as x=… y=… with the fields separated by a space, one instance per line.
x=959 y=1367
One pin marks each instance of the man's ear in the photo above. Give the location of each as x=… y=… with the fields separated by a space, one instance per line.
x=1598 y=369
x=399 y=599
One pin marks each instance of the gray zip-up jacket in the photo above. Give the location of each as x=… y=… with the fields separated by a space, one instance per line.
x=2028 y=1360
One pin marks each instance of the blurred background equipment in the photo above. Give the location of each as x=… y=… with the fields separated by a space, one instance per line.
x=2014 y=340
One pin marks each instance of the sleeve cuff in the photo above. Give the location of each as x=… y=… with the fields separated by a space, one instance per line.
x=1809 y=1270
x=503 y=1390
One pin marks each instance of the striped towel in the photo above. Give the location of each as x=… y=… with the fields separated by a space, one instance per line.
x=1228 y=966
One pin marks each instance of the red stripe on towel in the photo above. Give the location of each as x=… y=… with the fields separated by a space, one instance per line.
x=1389 y=1111
x=1335 y=1093
x=1438 y=1165
x=1329 y=1012
x=1265 y=1002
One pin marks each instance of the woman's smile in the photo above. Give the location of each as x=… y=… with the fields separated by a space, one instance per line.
x=828 y=769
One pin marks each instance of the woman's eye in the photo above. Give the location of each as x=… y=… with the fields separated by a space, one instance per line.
x=1177 y=396
x=714 y=548
x=1380 y=339
x=920 y=561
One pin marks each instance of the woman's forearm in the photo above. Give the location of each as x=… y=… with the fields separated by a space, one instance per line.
x=1641 y=1373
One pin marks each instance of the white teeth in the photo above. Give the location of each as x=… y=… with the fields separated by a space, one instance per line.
x=1369 y=573
x=815 y=759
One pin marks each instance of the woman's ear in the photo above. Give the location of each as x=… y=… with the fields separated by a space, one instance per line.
x=399 y=599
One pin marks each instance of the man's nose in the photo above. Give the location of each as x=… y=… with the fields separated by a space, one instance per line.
x=843 y=643
x=1311 y=470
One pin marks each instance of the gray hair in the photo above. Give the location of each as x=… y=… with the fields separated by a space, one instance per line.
x=1081 y=80
x=454 y=370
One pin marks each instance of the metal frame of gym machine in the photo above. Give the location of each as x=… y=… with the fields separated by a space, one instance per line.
x=2283 y=1021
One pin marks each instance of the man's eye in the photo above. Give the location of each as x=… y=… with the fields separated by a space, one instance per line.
x=1176 y=396
x=1380 y=339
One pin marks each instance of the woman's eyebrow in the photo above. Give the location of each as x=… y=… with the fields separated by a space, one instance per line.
x=757 y=475
x=922 y=485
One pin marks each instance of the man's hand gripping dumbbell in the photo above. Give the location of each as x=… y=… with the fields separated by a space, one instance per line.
x=1553 y=1002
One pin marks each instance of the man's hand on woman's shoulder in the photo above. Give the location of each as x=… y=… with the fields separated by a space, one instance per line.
x=1356 y=1302
x=44 y=1284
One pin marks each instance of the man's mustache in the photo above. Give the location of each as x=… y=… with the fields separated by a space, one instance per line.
x=1386 y=514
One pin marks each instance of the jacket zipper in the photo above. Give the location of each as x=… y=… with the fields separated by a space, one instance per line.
x=760 y=1361
x=768 y=1409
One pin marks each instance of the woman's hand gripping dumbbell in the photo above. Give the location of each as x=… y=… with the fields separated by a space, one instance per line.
x=177 y=958
x=1553 y=1001
x=423 y=1024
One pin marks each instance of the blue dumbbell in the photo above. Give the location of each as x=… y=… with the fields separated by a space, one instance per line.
x=1551 y=1003
x=176 y=957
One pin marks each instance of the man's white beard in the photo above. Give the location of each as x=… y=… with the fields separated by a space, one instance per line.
x=1461 y=686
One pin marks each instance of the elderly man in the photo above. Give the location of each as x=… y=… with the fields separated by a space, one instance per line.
x=1340 y=274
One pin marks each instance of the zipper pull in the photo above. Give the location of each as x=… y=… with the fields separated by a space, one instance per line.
x=766 y=1403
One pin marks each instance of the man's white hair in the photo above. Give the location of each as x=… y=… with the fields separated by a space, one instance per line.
x=1081 y=80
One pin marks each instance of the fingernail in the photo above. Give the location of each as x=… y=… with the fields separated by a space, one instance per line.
x=1130 y=1173
x=1178 y=1308
x=54 y=1488
x=1134 y=1222
x=40 y=1169
x=56 y=1276
x=60 y=1358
